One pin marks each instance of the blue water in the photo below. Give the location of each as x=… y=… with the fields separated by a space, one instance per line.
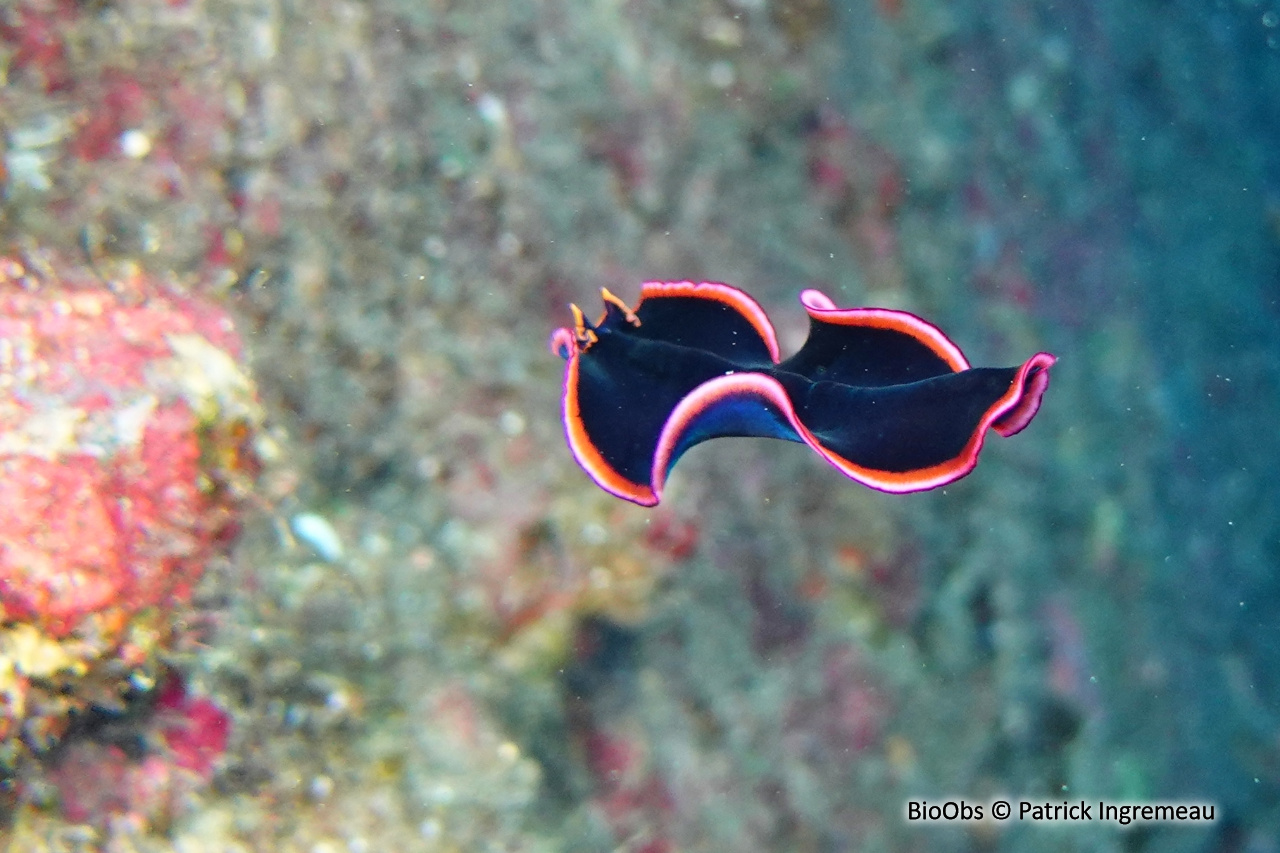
x=1134 y=148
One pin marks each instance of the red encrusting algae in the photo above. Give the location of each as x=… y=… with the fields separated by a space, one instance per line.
x=103 y=784
x=125 y=429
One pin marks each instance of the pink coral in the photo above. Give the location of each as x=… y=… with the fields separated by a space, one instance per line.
x=194 y=729
x=124 y=428
x=100 y=783
x=104 y=502
x=59 y=557
x=32 y=30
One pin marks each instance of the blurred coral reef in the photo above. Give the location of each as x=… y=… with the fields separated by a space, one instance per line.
x=343 y=589
x=126 y=431
x=128 y=443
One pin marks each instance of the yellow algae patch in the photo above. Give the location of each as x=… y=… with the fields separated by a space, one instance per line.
x=215 y=386
x=36 y=655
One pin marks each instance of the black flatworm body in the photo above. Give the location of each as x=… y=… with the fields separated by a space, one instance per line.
x=882 y=395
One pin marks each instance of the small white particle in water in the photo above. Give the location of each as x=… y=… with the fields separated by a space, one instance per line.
x=317 y=532
x=492 y=110
x=320 y=788
x=339 y=702
x=135 y=144
x=511 y=423
x=429 y=467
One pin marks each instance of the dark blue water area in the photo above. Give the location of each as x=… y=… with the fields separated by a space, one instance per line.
x=1132 y=149
x=1204 y=90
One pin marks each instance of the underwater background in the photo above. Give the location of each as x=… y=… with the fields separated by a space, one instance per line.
x=293 y=555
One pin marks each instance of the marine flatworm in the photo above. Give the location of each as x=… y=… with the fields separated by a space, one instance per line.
x=883 y=396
